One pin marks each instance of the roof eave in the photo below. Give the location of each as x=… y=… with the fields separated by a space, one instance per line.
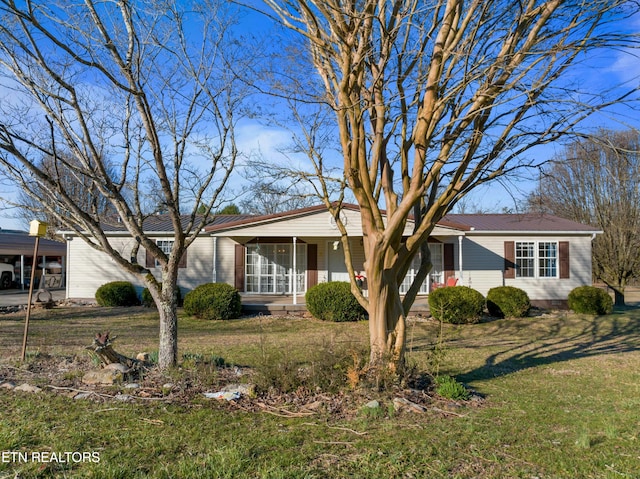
x=474 y=232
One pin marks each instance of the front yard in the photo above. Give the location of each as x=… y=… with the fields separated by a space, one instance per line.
x=560 y=399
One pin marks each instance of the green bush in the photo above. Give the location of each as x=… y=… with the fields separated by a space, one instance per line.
x=334 y=301
x=590 y=300
x=117 y=293
x=508 y=302
x=147 y=299
x=456 y=305
x=213 y=301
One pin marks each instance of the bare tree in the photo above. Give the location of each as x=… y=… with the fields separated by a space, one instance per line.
x=81 y=189
x=267 y=198
x=135 y=101
x=597 y=181
x=431 y=99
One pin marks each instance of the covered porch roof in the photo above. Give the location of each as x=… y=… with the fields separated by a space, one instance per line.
x=19 y=243
x=312 y=222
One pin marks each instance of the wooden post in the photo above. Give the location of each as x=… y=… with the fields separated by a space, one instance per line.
x=33 y=273
x=37 y=229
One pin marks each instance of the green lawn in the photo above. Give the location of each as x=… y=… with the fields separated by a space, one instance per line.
x=562 y=400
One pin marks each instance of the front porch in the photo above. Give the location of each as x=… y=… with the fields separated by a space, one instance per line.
x=283 y=304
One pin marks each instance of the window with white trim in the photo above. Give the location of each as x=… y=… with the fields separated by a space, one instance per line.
x=435 y=275
x=269 y=268
x=547 y=259
x=166 y=246
x=536 y=260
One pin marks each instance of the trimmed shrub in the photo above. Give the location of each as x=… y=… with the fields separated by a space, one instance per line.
x=508 y=302
x=117 y=293
x=590 y=300
x=147 y=299
x=213 y=301
x=456 y=305
x=334 y=301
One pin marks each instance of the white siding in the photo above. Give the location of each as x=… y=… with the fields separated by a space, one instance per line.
x=225 y=261
x=483 y=264
x=316 y=224
x=89 y=269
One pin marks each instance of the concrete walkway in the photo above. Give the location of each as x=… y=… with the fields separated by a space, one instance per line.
x=16 y=297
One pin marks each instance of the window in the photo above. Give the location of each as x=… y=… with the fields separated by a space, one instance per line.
x=165 y=246
x=544 y=254
x=547 y=260
x=525 y=260
x=435 y=275
x=269 y=268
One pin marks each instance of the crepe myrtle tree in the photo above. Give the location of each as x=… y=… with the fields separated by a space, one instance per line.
x=134 y=102
x=430 y=99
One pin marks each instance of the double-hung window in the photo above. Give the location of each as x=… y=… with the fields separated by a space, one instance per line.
x=548 y=259
x=536 y=259
x=165 y=246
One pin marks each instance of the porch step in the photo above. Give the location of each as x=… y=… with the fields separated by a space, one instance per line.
x=273 y=309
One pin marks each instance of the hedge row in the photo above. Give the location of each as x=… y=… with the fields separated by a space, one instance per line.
x=334 y=301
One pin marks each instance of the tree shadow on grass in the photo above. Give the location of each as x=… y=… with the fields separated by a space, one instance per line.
x=563 y=340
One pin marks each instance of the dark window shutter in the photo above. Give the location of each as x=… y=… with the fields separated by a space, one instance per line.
x=150 y=261
x=312 y=265
x=563 y=249
x=448 y=261
x=183 y=260
x=239 y=267
x=509 y=259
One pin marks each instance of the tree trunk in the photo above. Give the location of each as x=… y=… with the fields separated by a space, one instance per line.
x=618 y=295
x=386 y=325
x=168 y=350
x=166 y=299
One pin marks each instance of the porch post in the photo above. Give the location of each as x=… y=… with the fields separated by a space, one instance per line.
x=295 y=272
x=460 y=258
x=22 y=272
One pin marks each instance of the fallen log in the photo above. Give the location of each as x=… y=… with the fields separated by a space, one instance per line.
x=101 y=346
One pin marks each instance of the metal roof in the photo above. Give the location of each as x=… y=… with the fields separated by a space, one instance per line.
x=496 y=223
x=163 y=224
x=20 y=243
x=469 y=223
x=526 y=222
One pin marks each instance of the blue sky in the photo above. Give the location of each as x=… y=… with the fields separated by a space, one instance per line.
x=599 y=73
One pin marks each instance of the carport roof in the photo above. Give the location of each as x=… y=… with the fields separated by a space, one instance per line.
x=20 y=243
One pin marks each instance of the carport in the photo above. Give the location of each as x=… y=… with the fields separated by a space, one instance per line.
x=16 y=249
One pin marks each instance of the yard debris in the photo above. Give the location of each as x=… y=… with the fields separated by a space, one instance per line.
x=102 y=376
x=226 y=395
x=69 y=376
x=233 y=392
x=102 y=347
x=375 y=404
x=27 y=388
x=401 y=404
